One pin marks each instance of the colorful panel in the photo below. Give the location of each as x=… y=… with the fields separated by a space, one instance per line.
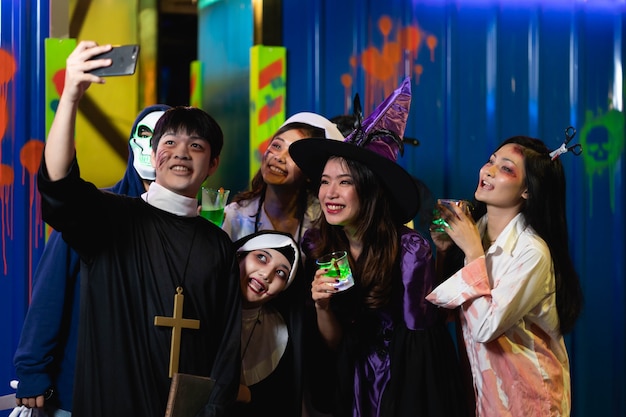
x=195 y=84
x=267 y=98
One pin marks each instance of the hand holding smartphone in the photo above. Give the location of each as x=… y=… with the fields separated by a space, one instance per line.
x=123 y=61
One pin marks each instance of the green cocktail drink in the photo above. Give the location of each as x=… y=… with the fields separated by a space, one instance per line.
x=213 y=202
x=341 y=271
x=214 y=216
x=338 y=267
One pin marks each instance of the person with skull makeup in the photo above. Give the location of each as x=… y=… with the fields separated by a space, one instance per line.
x=45 y=357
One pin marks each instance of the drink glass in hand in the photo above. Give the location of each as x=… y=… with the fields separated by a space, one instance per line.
x=439 y=224
x=338 y=267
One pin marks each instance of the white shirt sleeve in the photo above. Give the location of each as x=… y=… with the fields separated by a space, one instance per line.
x=498 y=291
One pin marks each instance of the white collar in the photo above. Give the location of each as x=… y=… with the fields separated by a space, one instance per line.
x=508 y=236
x=164 y=199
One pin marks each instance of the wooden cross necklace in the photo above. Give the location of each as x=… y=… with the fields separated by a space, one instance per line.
x=177 y=322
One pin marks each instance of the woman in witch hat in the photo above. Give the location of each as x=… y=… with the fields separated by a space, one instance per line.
x=387 y=350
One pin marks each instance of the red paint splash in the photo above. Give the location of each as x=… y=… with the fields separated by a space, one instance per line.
x=30 y=158
x=395 y=59
x=6 y=209
x=7 y=71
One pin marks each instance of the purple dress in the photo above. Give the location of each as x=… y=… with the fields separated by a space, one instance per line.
x=398 y=360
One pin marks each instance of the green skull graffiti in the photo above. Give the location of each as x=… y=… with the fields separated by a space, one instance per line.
x=602 y=138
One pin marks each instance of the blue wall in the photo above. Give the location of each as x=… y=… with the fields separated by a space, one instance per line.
x=23 y=25
x=483 y=71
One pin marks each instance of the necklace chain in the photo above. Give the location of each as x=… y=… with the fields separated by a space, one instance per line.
x=256 y=322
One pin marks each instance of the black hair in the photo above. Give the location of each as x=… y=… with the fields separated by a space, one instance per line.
x=380 y=236
x=545 y=212
x=190 y=120
x=346 y=123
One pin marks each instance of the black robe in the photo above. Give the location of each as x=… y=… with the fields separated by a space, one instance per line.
x=280 y=393
x=134 y=256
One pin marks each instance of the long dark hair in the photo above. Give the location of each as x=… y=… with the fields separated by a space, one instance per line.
x=376 y=231
x=545 y=212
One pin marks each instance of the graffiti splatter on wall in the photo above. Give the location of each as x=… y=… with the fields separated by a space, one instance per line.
x=397 y=57
x=7 y=71
x=30 y=157
x=602 y=138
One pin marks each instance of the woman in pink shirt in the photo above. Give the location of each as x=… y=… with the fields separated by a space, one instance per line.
x=516 y=270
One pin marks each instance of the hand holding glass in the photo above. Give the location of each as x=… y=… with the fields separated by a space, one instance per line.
x=338 y=267
x=439 y=224
x=213 y=202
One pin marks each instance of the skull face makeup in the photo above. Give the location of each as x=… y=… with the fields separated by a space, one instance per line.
x=140 y=145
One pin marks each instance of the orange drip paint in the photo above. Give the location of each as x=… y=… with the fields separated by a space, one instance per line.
x=30 y=158
x=395 y=59
x=7 y=71
x=6 y=216
x=385 y=25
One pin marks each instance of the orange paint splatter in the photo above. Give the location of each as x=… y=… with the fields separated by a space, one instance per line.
x=392 y=53
x=30 y=157
x=6 y=175
x=419 y=69
x=6 y=211
x=411 y=38
x=4 y=114
x=346 y=80
x=7 y=67
x=7 y=71
x=396 y=58
x=368 y=59
x=431 y=41
x=385 y=25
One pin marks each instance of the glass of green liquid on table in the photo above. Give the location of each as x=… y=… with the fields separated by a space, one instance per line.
x=213 y=202
x=338 y=268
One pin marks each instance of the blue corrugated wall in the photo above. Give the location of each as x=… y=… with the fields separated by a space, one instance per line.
x=23 y=25
x=483 y=71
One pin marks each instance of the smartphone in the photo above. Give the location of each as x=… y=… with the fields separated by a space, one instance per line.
x=124 y=61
